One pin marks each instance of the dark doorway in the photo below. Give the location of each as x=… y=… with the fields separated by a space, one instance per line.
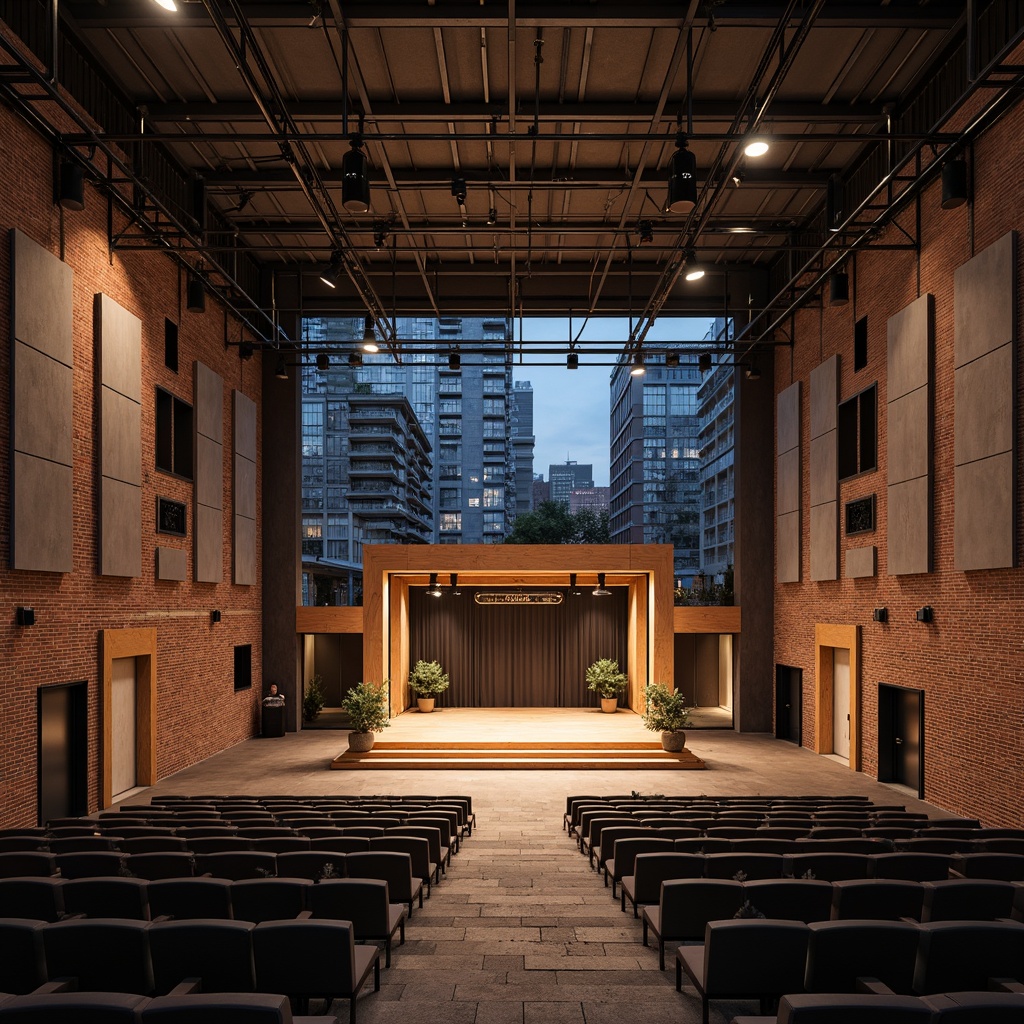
x=901 y=736
x=789 y=695
x=62 y=751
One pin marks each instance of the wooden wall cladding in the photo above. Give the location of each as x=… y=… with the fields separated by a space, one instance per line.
x=909 y=418
x=243 y=411
x=119 y=354
x=41 y=409
x=824 y=471
x=787 y=515
x=985 y=335
x=209 y=481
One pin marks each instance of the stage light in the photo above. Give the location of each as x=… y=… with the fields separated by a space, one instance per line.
x=682 y=178
x=572 y=361
x=369 y=337
x=355 y=182
x=601 y=590
x=434 y=590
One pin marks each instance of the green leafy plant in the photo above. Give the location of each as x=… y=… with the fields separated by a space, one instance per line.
x=367 y=707
x=665 y=709
x=428 y=679
x=605 y=679
x=313 y=699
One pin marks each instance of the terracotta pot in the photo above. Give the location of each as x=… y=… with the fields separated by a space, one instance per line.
x=425 y=704
x=673 y=741
x=360 y=742
x=609 y=705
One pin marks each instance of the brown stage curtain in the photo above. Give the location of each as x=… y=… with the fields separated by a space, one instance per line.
x=517 y=656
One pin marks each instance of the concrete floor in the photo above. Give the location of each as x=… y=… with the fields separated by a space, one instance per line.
x=522 y=931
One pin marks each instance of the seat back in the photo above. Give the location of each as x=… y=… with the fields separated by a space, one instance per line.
x=968 y=899
x=687 y=904
x=393 y=868
x=605 y=837
x=171 y=864
x=315 y=864
x=626 y=850
x=978 y=1008
x=431 y=833
x=828 y=866
x=27 y=863
x=754 y=958
x=305 y=958
x=790 y=899
x=916 y=867
x=107 y=897
x=32 y=897
x=1007 y=867
x=153 y=844
x=650 y=870
x=958 y=956
x=101 y=954
x=840 y=952
x=417 y=848
x=23 y=963
x=92 y=864
x=363 y=901
x=268 y=899
x=219 y=953
x=243 y=864
x=188 y=898
x=748 y=864
x=876 y=899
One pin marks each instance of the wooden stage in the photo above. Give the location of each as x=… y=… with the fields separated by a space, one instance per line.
x=518 y=739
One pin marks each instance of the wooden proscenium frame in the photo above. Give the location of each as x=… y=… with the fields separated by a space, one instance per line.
x=390 y=569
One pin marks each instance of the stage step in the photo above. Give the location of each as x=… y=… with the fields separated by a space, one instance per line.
x=467 y=756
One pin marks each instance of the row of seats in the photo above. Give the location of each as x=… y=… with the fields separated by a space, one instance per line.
x=683 y=907
x=766 y=959
x=62 y=1007
x=300 y=959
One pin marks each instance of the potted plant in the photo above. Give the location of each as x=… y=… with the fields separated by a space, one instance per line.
x=427 y=680
x=666 y=712
x=367 y=707
x=313 y=699
x=605 y=679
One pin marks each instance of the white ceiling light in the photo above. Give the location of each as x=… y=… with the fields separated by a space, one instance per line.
x=168 y=5
x=755 y=147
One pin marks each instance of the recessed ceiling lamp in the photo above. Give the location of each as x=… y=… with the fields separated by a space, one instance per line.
x=369 y=337
x=755 y=146
x=333 y=272
x=694 y=269
x=167 y=5
x=434 y=589
x=638 y=369
x=601 y=590
x=355 y=181
x=572 y=361
x=682 y=178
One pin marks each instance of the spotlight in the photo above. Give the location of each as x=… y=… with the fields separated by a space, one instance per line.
x=694 y=270
x=755 y=146
x=434 y=589
x=880 y=615
x=71 y=186
x=245 y=197
x=454 y=579
x=323 y=361
x=682 y=178
x=381 y=230
x=925 y=614
x=753 y=370
x=167 y=5
x=355 y=359
x=738 y=177
x=333 y=272
x=833 y=203
x=646 y=231
x=355 y=182
x=704 y=362
x=671 y=359
x=838 y=288
x=459 y=189
x=954 y=184
x=572 y=361
x=638 y=369
x=369 y=337
x=195 y=294
x=601 y=590
x=573 y=589
x=492 y=216
x=454 y=361
x=281 y=372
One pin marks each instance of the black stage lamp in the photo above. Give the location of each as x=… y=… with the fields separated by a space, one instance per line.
x=682 y=178
x=195 y=294
x=838 y=288
x=355 y=182
x=71 y=186
x=601 y=590
x=954 y=183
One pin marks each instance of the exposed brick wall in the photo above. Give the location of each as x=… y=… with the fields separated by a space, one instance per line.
x=199 y=712
x=970 y=661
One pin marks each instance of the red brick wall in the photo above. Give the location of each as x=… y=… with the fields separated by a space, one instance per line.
x=198 y=711
x=970 y=661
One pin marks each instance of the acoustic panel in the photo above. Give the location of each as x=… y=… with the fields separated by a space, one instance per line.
x=983 y=521
x=824 y=396
x=120 y=334
x=120 y=529
x=983 y=394
x=860 y=562
x=789 y=481
x=120 y=437
x=41 y=529
x=245 y=425
x=825 y=542
x=788 y=418
x=209 y=490
x=787 y=547
x=908 y=348
x=41 y=299
x=41 y=409
x=824 y=471
x=171 y=564
x=909 y=436
x=824 y=468
x=909 y=550
x=984 y=301
x=788 y=485
x=245 y=551
x=209 y=542
x=244 y=491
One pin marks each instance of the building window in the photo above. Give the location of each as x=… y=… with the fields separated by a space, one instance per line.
x=494 y=522
x=494 y=428
x=494 y=497
x=451 y=522
x=493 y=474
x=494 y=406
x=173 y=435
x=312 y=536
x=312 y=430
x=858 y=433
x=474 y=502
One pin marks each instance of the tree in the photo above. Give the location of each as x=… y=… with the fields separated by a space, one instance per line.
x=552 y=523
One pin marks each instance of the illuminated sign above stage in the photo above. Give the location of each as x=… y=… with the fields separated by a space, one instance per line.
x=515 y=598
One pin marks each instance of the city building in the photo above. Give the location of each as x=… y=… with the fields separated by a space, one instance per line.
x=588 y=497
x=541 y=490
x=565 y=477
x=522 y=448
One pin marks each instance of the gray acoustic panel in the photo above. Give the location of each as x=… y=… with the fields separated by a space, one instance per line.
x=909 y=436
x=984 y=413
x=120 y=334
x=825 y=542
x=245 y=487
x=209 y=486
x=209 y=541
x=120 y=529
x=42 y=370
x=788 y=418
x=907 y=353
x=824 y=471
x=171 y=564
x=788 y=485
x=119 y=357
x=245 y=425
x=789 y=481
x=245 y=551
x=244 y=491
x=983 y=396
x=42 y=405
x=787 y=547
x=983 y=517
x=860 y=562
x=41 y=528
x=41 y=299
x=984 y=301
x=908 y=530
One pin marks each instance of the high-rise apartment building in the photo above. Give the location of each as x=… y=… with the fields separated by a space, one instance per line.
x=522 y=446
x=655 y=459
x=568 y=476
x=595 y=498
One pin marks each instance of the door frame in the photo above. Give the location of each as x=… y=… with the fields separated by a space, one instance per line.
x=783 y=675
x=827 y=637
x=139 y=644
x=886 y=724
x=78 y=750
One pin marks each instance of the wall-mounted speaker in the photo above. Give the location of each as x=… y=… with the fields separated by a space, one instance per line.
x=925 y=614
x=25 y=616
x=215 y=615
x=880 y=615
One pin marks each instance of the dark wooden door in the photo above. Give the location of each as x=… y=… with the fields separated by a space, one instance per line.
x=62 y=757
x=901 y=736
x=789 y=703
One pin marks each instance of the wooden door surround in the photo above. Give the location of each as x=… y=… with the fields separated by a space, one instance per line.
x=828 y=637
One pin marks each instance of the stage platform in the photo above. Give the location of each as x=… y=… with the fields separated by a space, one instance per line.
x=518 y=739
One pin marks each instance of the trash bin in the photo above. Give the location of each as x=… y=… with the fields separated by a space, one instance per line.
x=273 y=720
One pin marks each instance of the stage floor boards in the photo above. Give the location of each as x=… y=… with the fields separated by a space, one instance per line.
x=518 y=739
